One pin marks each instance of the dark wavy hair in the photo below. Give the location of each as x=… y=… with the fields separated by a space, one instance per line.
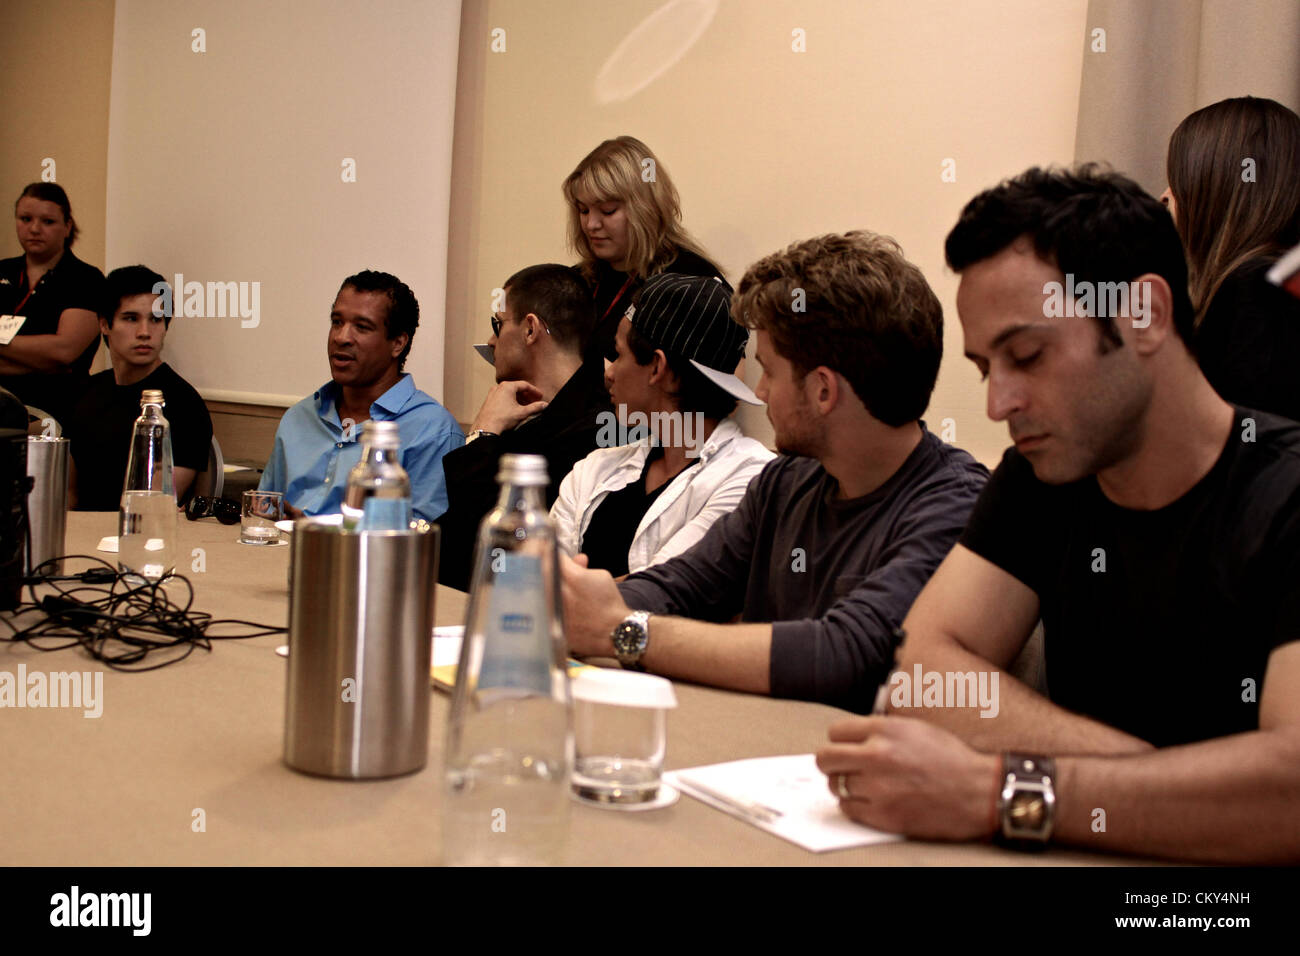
x=403 y=309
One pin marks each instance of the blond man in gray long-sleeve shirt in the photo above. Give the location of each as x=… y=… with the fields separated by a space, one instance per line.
x=833 y=541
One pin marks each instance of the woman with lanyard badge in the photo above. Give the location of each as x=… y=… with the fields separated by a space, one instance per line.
x=625 y=223
x=48 y=298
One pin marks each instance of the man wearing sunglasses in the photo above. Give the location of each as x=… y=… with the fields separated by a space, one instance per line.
x=546 y=402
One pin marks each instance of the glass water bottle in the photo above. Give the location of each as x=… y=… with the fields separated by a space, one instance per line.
x=146 y=543
x=378 y=496
x=509 y=753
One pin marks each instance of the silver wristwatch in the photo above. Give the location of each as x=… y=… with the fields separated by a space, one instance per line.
x=1027 y=803
x=631 y=638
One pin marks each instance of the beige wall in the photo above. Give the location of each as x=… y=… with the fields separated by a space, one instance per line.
x=766 y=145
x=228 y=166
x=1195 y=49
x=57 y=55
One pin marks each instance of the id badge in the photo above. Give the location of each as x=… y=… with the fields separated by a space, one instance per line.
x=9 y=326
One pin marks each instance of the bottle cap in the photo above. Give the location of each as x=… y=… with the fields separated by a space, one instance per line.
x=522 y=470
x=380 y=434
x=151 y=396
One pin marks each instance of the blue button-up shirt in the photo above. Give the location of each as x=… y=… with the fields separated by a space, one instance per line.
x=313 y=453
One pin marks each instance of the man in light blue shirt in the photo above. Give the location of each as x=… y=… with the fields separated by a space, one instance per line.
x=372 y=323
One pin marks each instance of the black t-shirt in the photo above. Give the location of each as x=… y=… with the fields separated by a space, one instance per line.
x=1248 y=344
x=100 y=424
x=71 y=284
x=613 y=294
x=609 y=534
x=1158 y=621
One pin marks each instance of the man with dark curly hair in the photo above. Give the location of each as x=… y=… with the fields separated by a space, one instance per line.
x=372 y=323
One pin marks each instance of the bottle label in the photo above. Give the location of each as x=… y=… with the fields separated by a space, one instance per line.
x=386 y=514
x=517 y=649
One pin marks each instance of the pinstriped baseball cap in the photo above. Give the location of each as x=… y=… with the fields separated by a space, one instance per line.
x=691 y=315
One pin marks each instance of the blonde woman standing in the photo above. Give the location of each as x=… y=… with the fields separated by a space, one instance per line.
x=625 y=224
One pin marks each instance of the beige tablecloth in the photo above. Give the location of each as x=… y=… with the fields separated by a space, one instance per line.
x=207 y=734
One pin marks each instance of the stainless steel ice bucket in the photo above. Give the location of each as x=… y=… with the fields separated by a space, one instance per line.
x=361 y=612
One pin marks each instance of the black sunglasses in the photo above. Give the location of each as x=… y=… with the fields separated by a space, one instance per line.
x=496 y=326
x=223 y=509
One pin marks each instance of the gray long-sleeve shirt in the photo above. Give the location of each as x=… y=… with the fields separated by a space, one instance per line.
x=835 y=576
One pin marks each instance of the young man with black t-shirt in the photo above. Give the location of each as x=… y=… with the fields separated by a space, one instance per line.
x=1154 y=528
x=100 y=423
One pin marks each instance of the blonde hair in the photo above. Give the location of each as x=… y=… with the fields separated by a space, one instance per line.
x=617 y=171
x=1223 y=219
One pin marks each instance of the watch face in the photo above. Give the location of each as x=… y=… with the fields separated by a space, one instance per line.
x=1027 y=811
x=629 y=639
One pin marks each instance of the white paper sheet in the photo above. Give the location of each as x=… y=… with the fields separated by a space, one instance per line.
x=793 y=787
x=446 y=645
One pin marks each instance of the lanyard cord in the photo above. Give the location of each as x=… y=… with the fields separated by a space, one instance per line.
x=18 y=307
x=614 y=302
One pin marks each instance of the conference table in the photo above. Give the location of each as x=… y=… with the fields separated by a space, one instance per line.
x=184 y=766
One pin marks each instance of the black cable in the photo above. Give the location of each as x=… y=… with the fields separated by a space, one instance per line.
x=119 y=618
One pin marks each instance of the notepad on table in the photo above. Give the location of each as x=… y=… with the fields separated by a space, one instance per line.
x=786 y=796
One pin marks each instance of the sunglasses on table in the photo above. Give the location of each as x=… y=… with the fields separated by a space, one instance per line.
x=223 y=509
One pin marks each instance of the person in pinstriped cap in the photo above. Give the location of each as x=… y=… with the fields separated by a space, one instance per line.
x=628 y=506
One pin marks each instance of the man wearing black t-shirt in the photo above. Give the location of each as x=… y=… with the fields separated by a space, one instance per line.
x=100 y=423
x=1152 y=526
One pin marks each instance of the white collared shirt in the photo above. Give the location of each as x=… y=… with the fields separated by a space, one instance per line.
x=681 y=515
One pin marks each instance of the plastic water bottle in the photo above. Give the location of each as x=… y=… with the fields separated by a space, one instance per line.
x=378 y=496
x=509 y=753
x=146 y=542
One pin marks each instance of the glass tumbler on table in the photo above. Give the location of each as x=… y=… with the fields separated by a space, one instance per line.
x=262 y=509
